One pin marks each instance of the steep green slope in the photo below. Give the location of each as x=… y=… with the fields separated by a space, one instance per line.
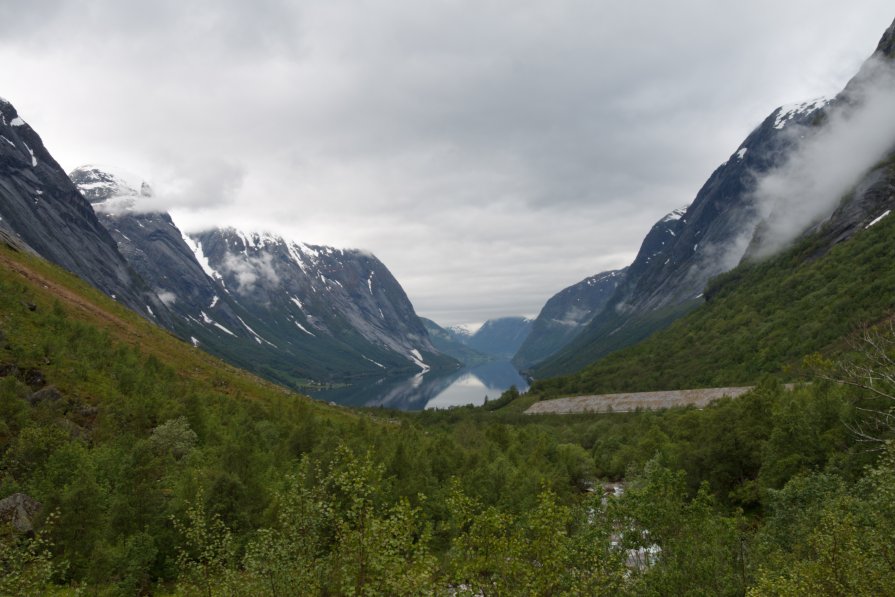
x=162 y=470
x=758 y=319
x=118 y=429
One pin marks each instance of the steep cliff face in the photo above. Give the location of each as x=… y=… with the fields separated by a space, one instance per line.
x=501 y=337
x=285 y=310
x=150 y=242
x=346 y=297
x=566 y=315
x=41 y=207
x=728 y=221
x=448 y=342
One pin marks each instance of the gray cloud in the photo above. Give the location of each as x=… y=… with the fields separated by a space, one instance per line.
x=197 y=184
x=490 y=153
x=251 y=271
x=828 y=162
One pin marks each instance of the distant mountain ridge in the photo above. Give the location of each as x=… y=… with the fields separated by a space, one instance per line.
x=501 y=337
x=452 y=342
x=288 y=311
x=724 y=224
x=566 y=315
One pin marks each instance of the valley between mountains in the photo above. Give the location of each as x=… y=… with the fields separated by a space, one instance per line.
x=232 y=412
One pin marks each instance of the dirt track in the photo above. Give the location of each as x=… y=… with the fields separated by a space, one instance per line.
x=630 y=402
x=63 y=293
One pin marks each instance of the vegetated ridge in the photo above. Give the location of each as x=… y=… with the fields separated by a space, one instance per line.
x=726 y=222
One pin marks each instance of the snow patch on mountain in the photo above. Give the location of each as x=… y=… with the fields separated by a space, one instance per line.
x=380 y=365
x=417 y=358
x=304 y=329
x=878 y=218
x=33 y=159
x=196 y=247
x=257 y=336
x=675 y=215
x=788 y=112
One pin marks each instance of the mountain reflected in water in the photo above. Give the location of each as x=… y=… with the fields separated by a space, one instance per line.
x=470 y=385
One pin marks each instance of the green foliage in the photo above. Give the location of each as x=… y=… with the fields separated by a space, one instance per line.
x=26 y=564
x=826 y=538
x=761 y=318
x=551 y=550
x=679 y=546
x=173 y=437
x=206 y=558
x=171 y=471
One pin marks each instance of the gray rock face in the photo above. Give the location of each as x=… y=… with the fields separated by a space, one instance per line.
x=722 y=226
x=448 y=342
x=47 y=394
x=287 y=311
x=152 y=245
x=19 y=510
x=500 y=337
x=41 y=207
x=330 y=300
x=886 y=45
x=566 y=315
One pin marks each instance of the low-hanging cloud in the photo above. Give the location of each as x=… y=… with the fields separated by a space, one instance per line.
x=251 y=271
x=190 y=186
x=196 y=185
x=859 y=130
x=490 y=153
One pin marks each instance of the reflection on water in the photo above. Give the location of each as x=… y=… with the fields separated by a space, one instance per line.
x=430 y=390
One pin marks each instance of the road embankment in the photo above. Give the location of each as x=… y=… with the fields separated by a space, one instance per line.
x=629 y=402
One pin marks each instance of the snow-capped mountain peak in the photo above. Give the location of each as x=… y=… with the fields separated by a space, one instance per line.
x=110 y=189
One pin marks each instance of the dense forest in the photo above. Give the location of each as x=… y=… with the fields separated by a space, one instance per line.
x=134 y=463
x=158 y=469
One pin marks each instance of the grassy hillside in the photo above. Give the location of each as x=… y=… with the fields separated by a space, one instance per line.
x=758 y=319
x=614 y=333
x=161 y=470
x=120 y=431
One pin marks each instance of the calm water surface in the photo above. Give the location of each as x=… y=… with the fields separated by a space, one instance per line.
x=466 y=386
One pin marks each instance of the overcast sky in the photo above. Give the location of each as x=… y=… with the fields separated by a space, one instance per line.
x=490 y=153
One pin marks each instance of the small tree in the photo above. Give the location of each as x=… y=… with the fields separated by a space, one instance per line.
x=26 y=566
x=206 y=561
x=871 y=368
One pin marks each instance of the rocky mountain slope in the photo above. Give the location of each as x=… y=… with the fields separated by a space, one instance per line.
x=762 y=318
x=322 y=296
x=288 y=311
x=566 y=315
x=728 y=220
x=41 y=207
x=448 y=341
x=500 y=338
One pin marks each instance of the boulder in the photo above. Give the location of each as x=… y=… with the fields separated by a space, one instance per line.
x=47 y=394
x=19 y=510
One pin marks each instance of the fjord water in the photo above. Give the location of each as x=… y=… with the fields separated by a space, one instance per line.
x=470 y=385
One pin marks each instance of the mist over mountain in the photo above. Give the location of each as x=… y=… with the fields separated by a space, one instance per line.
x=501 y=337
x=41 y=207
x=820 y=164
x=288 y=311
